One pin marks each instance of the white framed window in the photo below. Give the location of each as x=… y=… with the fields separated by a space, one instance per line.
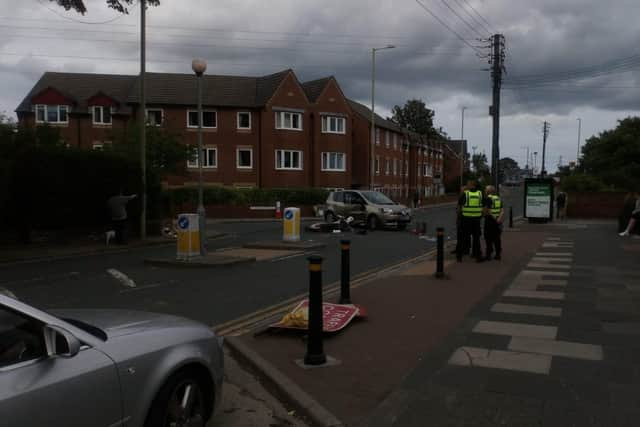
x=288 y=121
x=209 y=119
x=101 y=115
x=244 y=120
x=406 y=168
x=52 y=113
x=387 y=138
x=155 y=116
x=395 y=167
x=244 y=158
x=209 y=156
x=333 y=124
x=101 y=145
x=377 y=136
x=288 y=160
x=334 y=162
x=377 y=165
x=387 y=166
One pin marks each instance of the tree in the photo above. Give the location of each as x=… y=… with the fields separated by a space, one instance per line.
x=416 y=117
x=480 y=165
x=508 y=168
x=165 y=154
x=121 y=6
x=614 y=155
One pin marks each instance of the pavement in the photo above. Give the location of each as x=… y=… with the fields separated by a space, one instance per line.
x=546 y=337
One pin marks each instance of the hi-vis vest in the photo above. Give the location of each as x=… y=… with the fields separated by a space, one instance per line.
x=496 y=205
x=473 y=205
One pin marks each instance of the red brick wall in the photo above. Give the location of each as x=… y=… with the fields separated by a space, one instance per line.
x=289 y=95
x=332 y=101
x=595 y=205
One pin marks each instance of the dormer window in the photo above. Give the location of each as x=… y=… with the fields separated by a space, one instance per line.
x=52 y=113
x=101 y=115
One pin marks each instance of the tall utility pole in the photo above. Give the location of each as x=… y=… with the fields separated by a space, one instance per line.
x=579 y=131
x=497 y=62
x=462 y=153
x=545 y=133
x=142 y=121
x=373 y=111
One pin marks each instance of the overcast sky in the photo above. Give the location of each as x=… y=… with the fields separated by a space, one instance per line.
x=546 y=40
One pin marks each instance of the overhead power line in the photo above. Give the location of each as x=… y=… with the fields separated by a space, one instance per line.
x=584 y=72
x=464 y=21
x=473 y=18
x=444 y=24
x=480 y=16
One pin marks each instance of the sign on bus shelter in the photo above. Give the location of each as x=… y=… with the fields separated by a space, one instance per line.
x=538 y=199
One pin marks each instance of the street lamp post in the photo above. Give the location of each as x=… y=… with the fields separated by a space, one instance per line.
x=373 y=107
x=579 y=131
x=535 y=161
x=199 y=66
x=462 y=153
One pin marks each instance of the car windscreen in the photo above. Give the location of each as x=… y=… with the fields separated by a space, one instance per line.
x=377 y=198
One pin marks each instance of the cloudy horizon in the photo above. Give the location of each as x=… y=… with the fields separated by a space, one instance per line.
x=549 y=46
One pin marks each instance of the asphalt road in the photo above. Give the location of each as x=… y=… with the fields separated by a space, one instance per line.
x=212 y=296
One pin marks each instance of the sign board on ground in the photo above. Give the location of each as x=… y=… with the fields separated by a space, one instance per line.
x=538 y=202
x=334 y=316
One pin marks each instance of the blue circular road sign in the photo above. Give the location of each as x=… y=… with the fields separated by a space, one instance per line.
x=183 y=222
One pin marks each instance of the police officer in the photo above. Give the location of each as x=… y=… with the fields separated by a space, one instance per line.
x=471 y=206
x=493 y=216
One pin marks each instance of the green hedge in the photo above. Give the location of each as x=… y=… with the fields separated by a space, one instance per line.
x=64 y=188
x=248 y=197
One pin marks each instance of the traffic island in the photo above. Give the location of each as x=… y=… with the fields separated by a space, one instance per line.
x=304 y=245
x=212 y=260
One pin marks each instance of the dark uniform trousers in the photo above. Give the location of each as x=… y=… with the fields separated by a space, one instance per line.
x=492 y=235
x=471 y=234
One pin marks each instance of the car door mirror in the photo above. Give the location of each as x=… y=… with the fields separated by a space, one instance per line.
x=60 y=342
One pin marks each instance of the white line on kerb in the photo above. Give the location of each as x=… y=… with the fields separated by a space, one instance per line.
x=122 y=278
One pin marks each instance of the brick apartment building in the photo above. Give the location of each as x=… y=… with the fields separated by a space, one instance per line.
x=270 y=131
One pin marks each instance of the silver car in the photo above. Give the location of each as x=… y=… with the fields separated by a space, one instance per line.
x=79 y=368
x=369 y=207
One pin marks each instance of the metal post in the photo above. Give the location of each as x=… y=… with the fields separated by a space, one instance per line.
x=373 y=116
x=511 y=217
x=579 y=131
x=462 y=153
x=345 y=272
x=440 y=254
x=143 y=122
x=202 y=221
x=315 y=349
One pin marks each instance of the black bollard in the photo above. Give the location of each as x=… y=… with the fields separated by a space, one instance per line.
x=345 y=273
x=511 y=217
x=440 y=254
x=315 y=349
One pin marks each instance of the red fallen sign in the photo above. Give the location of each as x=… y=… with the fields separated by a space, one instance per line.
x=334 y=316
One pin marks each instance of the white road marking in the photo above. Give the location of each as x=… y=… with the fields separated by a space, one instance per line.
x=556 y=296
x=555 y=254
x=558 y=245
x=544 y=273
x=527 y=309
x=556 y=348
x=121 y=277
x=515 y=329
x=498 y=359
x=548 y=265
x=551 y=260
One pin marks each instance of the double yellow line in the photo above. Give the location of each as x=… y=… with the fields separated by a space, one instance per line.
x=265 y=316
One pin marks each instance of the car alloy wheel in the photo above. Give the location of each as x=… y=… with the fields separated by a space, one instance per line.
x=186 y=405
x=373 y=222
